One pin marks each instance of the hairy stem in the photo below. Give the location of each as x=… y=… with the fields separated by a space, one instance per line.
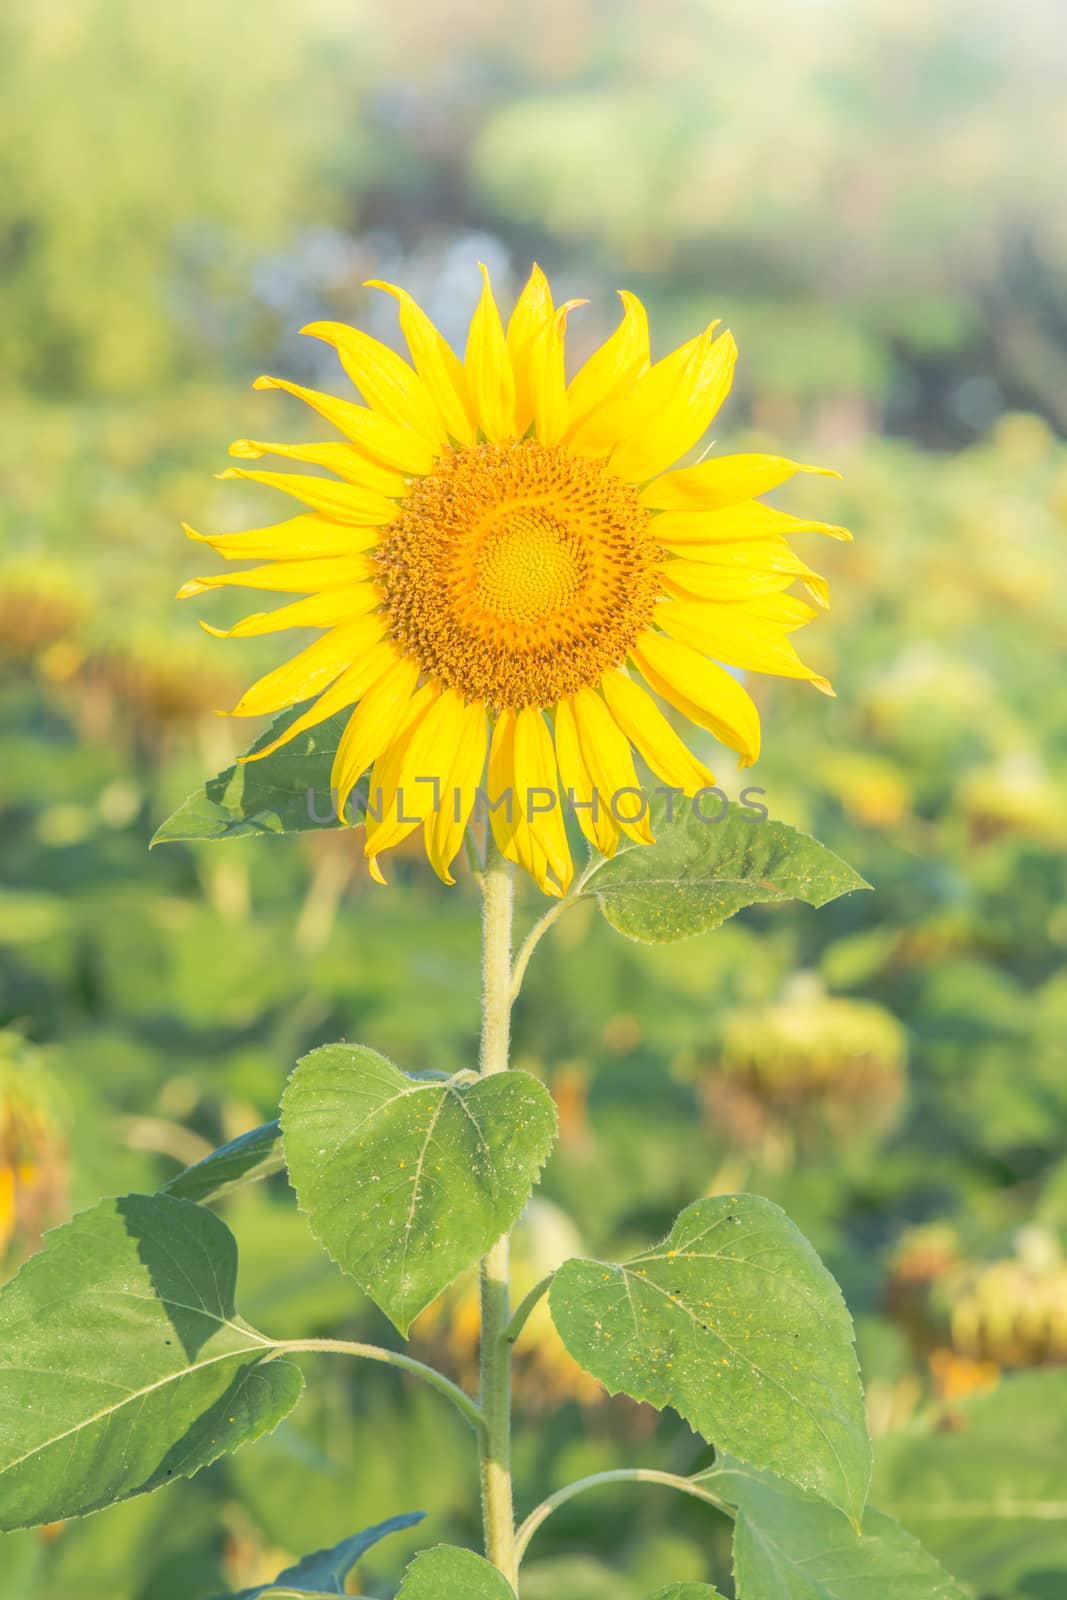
x=522 y=1315
x=532 y=940
x=498 y=1515
x=463 y=1403
x=600 y=1480
x=578 y=891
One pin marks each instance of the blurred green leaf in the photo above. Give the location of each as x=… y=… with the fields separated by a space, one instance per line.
x=790 y=1546
x=687 y=1591
x=287 y=792
x=124 y=1363
x=256 y=1154
x=408 y=1181
x=699 y=873
x=984 y=1484
x=735 y=1322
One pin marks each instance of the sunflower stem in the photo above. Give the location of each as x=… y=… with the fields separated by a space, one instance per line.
x=522 y=1315
x=391 y=1358
x=602 y=1480
x=532 y=940
x=498 y=1514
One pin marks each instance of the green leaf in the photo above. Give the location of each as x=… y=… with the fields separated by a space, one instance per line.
x=699 y=873
x=123 y=1363
x=287 y=792
x=984 y=1483
x=324 y=1573
x=447 y=1573
x=734 y=1321
x=790 y=1546
x=687 y=1591
x=254 y=1155
x=408 y=1181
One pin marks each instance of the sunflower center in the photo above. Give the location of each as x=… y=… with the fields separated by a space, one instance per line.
x=519 y=574
x=529 y=567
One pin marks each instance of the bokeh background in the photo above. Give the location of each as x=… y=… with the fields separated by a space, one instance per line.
x=870 y=192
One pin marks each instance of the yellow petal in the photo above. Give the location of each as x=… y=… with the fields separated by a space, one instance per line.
x=732 y=619
x=339 y=458
x=445 y=829
x=287 y=577
x=736 y=580
x=722 y=481
x=300 y=538
x=787 y=611
x=645 y=726
x=546 y=372
x=736 y=635
x=606 y=753
x=342 y=502
x=387 y=775
x=672 y=406
x=594 y=818
x=313 y=670
x=384 y=379
x=537 y=791
x=369 y=431
x=533 y=310
x=750 y=519
x=317 y=611
x=702 y=567
x=436 y=364
x=609 y=373
x=504 y=816
x=529 y=856
x=417 y=777
x=490 y=379
x=513 y=836
x=351 y=686
x=376 y=721
x=703 y=691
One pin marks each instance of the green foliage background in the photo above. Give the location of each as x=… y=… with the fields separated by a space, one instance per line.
x=867 y=192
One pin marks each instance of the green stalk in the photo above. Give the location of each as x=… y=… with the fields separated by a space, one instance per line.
x=601 y=1480
x=390 y=1358
x=498 y=1514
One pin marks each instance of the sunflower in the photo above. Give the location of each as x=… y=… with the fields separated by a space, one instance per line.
x=498 y=558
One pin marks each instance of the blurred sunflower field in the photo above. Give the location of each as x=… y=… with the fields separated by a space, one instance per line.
x=867 y=191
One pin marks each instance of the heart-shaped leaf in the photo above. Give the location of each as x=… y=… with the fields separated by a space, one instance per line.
x=408 y=1181
x=287 y=792
x=123 y=1363
x=324 y=1573
x=790 y=1546
x=448 y=1573
x=253 y=1155
x=734 y=1321
x=699 y=872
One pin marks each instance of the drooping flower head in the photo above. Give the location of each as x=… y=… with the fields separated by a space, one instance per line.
x=498 y=559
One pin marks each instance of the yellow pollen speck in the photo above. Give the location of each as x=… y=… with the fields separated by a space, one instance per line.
x=519 y=574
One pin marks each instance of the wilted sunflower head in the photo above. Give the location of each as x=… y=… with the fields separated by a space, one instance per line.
x=498 y=558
